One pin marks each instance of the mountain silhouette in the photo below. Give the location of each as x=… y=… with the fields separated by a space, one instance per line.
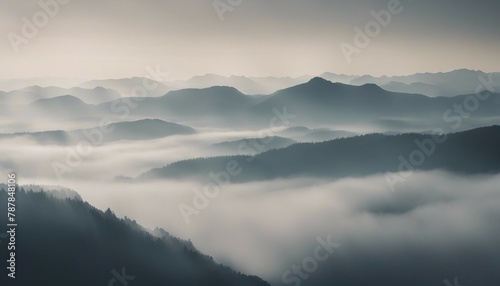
x=61 y=106
x=70 y=101
x=126 y=86
x=462 y=81
x=468 y=152
x=206 y=106
x=32 y=93
x=248 y=85
x=144 y=129
x=419 y=88
x=91 y=247
x=315 y=103
x=321 y=102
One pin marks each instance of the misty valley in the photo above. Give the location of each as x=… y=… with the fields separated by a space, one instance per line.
x=327 y=180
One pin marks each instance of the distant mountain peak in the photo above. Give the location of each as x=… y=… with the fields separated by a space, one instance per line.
x=319 y=80
x=213 y=90
x=372 y=87
x=319 y=83
x=66 y=99
x=223 y=88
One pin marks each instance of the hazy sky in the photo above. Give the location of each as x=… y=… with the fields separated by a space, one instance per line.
x=119 y=38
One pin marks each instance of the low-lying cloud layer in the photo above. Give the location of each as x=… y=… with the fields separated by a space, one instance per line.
x=108 y=160
x=434 y=226
x=447 y=221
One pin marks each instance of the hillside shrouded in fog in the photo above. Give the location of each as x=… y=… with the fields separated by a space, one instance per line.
x=363 y=179
x=237 y=142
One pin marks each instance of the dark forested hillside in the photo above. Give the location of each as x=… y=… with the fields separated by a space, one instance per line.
x=69 y=242
x=473 y=152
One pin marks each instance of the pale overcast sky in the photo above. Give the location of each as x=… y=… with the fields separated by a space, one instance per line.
x=119 y=38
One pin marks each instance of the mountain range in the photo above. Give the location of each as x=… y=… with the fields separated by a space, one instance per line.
x=462 y=81
x=456 y=82
x=318 y=102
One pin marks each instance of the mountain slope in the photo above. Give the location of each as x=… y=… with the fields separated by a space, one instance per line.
x=30 y=94
x=248 y=85
x=215 y=105
x=321 y=102
x=420 y=88
x=473 y=152
x=144 y=129
x=462 y=81
x=86 y=245
x=251 y=146
x=60 y=106
x=340 y=78
x=126 y=86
